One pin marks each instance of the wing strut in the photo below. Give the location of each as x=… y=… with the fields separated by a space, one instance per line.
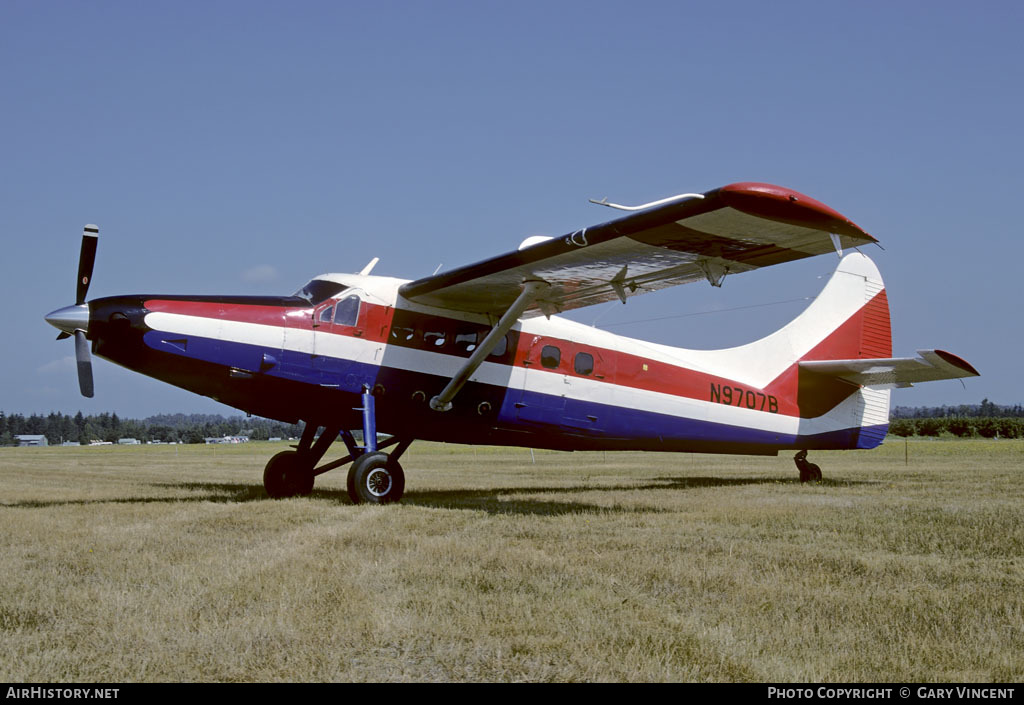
x=531 y=291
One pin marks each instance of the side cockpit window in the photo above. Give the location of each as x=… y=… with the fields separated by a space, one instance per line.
x=347 y=311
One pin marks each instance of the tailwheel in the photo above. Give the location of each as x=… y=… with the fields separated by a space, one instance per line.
x=375 y=478
x=809 y=472
x=288 y=475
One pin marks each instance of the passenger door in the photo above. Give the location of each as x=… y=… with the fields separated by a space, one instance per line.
x=545 y=384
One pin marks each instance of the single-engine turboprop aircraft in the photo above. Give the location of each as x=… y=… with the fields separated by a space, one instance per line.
x=477 y=354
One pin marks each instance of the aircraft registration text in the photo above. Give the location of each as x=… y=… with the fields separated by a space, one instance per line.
x=737 y=396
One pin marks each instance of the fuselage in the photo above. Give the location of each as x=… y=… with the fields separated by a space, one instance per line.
x=552 y=383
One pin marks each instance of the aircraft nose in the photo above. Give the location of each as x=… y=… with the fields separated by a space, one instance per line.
x=70 y=318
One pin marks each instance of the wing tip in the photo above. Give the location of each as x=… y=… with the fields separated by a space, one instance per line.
x=789 y=206
x=957 y=362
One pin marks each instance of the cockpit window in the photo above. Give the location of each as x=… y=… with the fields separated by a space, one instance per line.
x=348 y=311
x=319 y=290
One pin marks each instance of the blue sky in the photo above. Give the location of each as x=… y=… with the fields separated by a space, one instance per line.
x=243 y=147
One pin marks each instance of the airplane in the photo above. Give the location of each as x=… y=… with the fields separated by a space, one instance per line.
x=479 y=354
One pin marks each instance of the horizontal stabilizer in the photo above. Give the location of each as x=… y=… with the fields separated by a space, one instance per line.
x=931 y=365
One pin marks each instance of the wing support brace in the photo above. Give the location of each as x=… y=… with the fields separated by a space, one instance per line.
x=531 y=292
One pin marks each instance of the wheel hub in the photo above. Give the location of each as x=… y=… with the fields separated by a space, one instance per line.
x=378 y=482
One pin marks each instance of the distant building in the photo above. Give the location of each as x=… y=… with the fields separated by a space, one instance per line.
x=228 y=439
x=70 y=443
x=128 y=442
x=27 y=441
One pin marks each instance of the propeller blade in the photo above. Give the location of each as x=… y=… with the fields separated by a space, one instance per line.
x=86 y=259
x=84 y=364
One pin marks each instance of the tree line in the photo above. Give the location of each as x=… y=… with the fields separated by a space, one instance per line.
x=985 y=409
x=984 y=420
x=960 y=426
x=167 y=428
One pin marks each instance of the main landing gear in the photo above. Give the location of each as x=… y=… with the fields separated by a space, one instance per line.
x=809 y=472
x=375 y=476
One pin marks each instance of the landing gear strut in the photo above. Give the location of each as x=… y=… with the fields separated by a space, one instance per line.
x=375 y=476
x=808 y=471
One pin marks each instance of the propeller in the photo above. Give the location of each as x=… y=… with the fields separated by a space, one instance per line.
x=86 y=260
x=84 y=360
x=74 y=320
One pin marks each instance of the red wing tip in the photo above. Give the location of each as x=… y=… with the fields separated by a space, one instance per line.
x=958 y=362
x=779 y=203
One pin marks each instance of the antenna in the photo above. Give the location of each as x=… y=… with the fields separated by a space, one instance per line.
x=652 y=204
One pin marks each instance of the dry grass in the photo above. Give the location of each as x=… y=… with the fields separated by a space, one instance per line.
x=168 y=563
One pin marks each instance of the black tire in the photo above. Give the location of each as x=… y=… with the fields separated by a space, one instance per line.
x=806 y=468
x=375 y=478
x=287 y=476
x=814 y=471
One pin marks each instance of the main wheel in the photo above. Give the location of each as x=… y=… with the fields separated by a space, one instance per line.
x=375 y=478
x=286 y=475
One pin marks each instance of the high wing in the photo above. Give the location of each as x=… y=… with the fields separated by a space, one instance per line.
x=736 y=228
x=931 y=365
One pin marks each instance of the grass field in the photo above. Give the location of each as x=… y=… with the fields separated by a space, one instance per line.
x=167 y=563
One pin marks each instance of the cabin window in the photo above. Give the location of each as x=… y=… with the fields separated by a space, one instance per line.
x=325 y=315
x=434 y=339
x=550 y=356
x=583 y=363
x=466 y=342
x=347 y=313
x=403 y=335
x=501 y=348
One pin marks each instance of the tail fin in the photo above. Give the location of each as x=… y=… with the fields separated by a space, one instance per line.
x=832 y=364
x=845 y=380
x=849 y=320
x=855 y=299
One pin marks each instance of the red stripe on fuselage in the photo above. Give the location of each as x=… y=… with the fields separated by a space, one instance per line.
x=373 y=322
x=263 y=315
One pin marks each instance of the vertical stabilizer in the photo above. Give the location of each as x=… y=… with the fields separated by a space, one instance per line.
x=826 y=401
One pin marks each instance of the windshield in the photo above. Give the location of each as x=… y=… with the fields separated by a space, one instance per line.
x=318 y=290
